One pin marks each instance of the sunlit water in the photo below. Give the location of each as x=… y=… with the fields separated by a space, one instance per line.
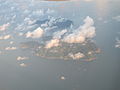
x=24 y=68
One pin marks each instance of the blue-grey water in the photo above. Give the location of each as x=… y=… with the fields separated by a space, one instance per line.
x=38 y=73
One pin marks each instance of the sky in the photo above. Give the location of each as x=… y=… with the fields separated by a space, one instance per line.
x=63 y=45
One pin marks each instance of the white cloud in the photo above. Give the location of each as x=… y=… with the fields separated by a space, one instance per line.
x=72 y=38
x=27 y=24
x=11 y=42
x=37 y=33
x=87 y=30
x=5 y=37
x=19 y=58
x=4 y=27
x=62 y=78
x=52 y=43
x=28 y=21
x=79 y=35
x=10 y=48
x=38 y=12
x=20 y=27
x=20 y=34
x=49 y=11
x=117 y=18
x=23 y=65
x=76 y=56
x=117 y=43
x=58 y=34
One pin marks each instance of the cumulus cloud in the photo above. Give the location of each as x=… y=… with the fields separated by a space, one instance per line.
x=4 y=27
x=19 y=58
x=68 y=43
x=10 y=48
x=87 y=30
x=76 y=56
x=5 y=37
x=52 y=43
x=37 y=33
x=26 y=24
x=28 y=21
x=58 y=34
x=52 y=23
x=72 y=38
x=56 y=39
